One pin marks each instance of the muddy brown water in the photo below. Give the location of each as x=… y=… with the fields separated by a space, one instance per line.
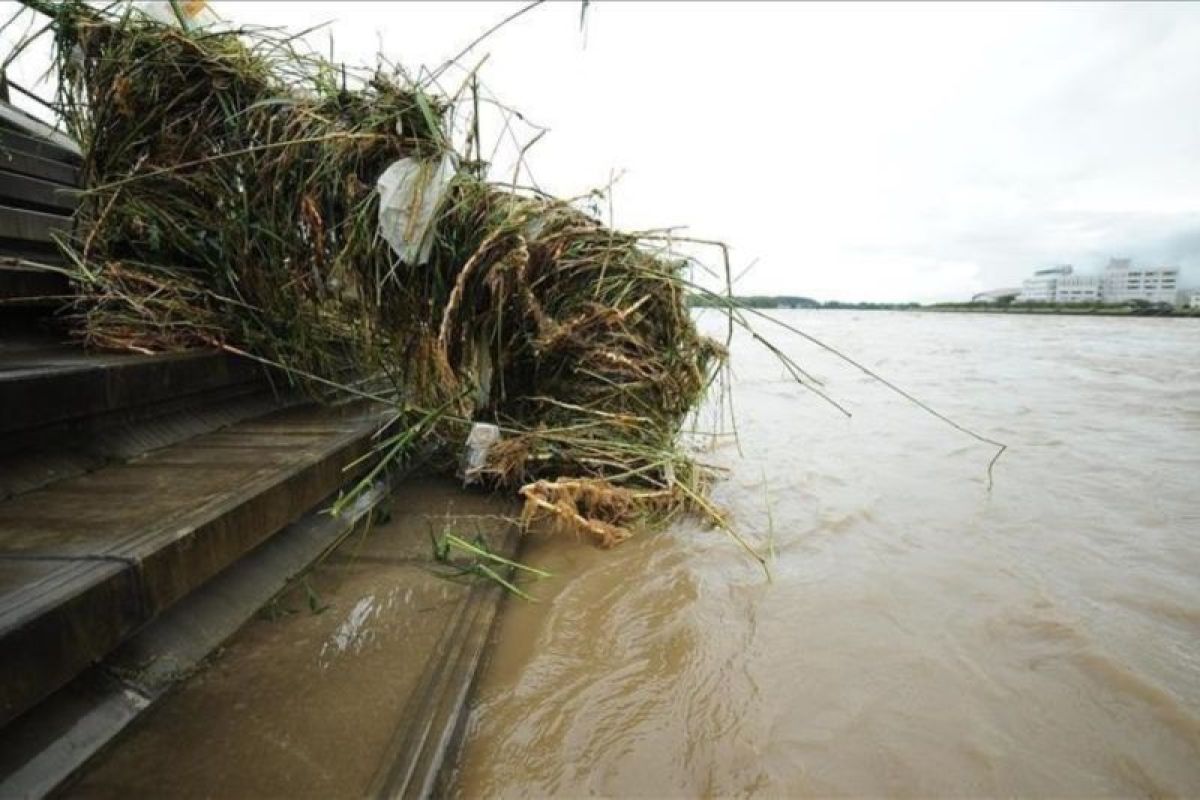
x=921 y=636
x=304 y=700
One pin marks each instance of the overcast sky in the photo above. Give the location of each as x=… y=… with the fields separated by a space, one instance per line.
x=857 y=152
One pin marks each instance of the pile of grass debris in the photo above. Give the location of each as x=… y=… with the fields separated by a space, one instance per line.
x=232 y=202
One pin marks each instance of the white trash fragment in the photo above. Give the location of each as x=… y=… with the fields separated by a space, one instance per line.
x=479 y=441
x=410 y=191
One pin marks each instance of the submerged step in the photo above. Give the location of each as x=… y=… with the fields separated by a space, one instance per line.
x=42 y=750
x=87 y=561
x=350 y=684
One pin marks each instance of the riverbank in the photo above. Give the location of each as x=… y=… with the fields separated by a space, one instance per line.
x=788 y=302
x=1064 y=310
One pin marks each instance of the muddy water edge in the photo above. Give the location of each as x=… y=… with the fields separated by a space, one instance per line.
x=305 y=699
x=922 y=635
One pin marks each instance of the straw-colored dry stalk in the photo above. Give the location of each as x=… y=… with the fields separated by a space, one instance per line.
x=593 y=507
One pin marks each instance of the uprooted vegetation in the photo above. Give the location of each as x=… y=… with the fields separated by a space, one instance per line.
x=244 y=194
x=231 y=202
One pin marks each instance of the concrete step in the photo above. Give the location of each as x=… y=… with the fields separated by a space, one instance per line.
x=65 y=412
x=352 y=683
x=39 y=192
x=43 y=750
x=44 y=381
x=88 y=560
x=428 y=735
x=27 y=191
x=37 y=165
x=21 y=132
x=37 y=228
x=24 y=284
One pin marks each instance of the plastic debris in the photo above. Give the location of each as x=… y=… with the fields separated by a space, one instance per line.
x=410 y=191
x=479 y=441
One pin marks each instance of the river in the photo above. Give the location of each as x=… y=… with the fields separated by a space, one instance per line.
x=921 y=635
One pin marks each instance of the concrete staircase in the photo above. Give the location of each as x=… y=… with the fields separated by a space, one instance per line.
x=127 y=484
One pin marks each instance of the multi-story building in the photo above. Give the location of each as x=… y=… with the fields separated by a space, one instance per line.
x=1123 y=282
x=1077 y=289
x=1042 y=286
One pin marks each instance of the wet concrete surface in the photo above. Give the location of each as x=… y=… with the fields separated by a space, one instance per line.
x=43 y=381
x=305 y=699
x=90 y=559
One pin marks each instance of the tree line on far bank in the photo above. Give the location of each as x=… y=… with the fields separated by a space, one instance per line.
x=789 y=301
x=1008 y=304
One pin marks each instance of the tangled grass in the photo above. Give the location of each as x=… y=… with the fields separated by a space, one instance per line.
x=230 y=202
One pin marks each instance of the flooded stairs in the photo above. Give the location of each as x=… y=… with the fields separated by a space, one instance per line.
x=152 y=505
x=127 y=483
x=141 y=529
x=130 y=485
x=88 y=559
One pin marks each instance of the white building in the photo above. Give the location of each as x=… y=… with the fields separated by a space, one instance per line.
x=1044 y=283
x=1193 y=300
x=1077 y=289
x=1123 y=282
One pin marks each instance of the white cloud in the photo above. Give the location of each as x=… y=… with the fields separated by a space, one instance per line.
x=872 y=152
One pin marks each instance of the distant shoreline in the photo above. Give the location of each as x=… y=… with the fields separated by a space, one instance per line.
x=786 y=302
x=1086 y=311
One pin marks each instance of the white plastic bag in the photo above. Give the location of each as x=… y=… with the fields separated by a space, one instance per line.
x=410 y=191
x=479 y=441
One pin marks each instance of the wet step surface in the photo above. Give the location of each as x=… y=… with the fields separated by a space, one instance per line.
x=86 y=561
x=358 y=667
x=45 y=381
